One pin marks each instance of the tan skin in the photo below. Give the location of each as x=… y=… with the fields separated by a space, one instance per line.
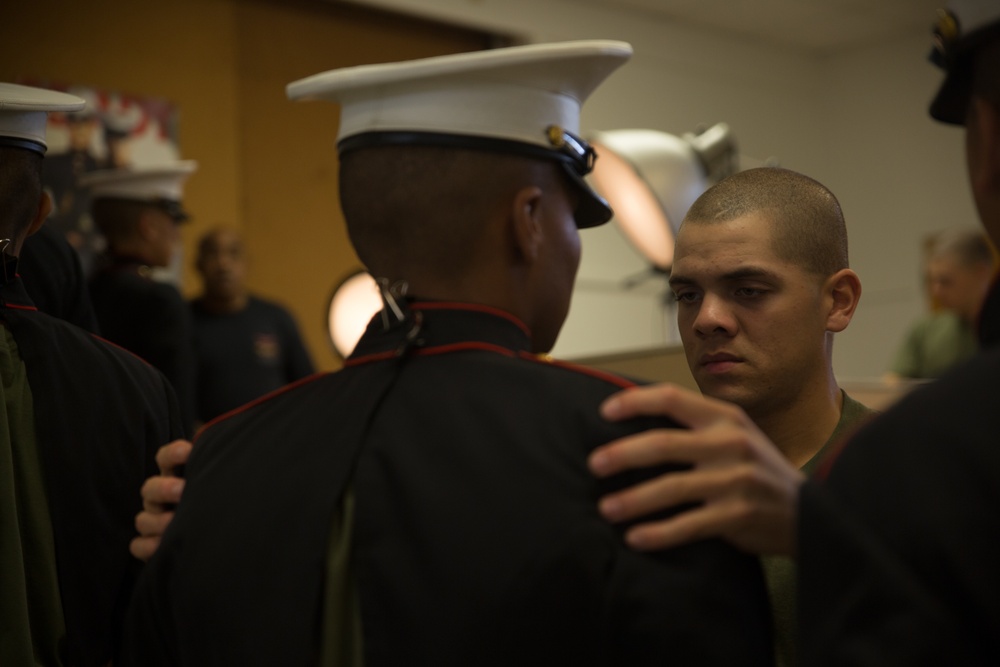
x=541 y=254
x=757 y=330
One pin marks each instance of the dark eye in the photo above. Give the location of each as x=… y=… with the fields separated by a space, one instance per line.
x=749 y=292
x=686 y=296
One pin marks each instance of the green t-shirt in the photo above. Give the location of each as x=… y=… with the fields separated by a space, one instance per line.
x=780 y=572
x=933 y=345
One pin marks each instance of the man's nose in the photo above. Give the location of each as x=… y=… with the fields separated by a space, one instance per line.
x=714 y=316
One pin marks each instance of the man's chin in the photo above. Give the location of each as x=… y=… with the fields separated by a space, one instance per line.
x=723 y=390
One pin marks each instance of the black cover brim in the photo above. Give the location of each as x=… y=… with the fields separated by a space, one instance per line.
x=593 y=210
x=952 y=100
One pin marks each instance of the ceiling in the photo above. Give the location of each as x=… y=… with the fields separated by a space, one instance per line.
x=817 y=26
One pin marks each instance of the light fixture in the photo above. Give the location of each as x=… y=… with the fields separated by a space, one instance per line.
x=651 y=178
x=354 y=302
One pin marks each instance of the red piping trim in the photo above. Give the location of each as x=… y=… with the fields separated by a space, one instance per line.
x=426 y=352
x=17 y=307
x=583 y=370
x=381 y=356
x=462 y=347
x=257 y=401
x=826 y=465
x=822 y=471
x=430 y=351
x=116 y=345
x=475 y=307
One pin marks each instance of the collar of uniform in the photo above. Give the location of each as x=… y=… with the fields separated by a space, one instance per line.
x=13 y=295
x=442 y=326
x=127 y=263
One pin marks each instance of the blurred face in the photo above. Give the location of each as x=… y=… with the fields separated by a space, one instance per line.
x=222 y=265
x=753 y=325
x=164 y=239
x=955 y=287
x=558 y=263
x=81 y=131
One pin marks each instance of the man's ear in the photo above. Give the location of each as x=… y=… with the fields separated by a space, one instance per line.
x=843 y=292
x=42 y=214
x=526 y=222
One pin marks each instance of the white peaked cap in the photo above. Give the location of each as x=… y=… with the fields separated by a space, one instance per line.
x=159 y=184
x=24 y=111
x=517 y=97
x=513 y=93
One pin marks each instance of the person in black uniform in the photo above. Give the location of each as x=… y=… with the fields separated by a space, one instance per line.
x=245 y=346
x=82 y=420
x=896 y=534
x=430 y=503
x=138 y=209
x=54 y=278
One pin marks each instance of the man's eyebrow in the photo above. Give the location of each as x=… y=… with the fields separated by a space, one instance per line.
x=745 y=272
x=742 y=273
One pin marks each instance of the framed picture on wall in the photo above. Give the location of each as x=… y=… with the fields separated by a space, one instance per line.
x=115 y=129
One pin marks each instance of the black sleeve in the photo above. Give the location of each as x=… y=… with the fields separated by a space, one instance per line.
x=899 y=540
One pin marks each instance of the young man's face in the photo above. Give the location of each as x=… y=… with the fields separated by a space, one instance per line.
x=753 y=325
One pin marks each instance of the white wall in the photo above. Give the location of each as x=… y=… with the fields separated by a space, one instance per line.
x=856 y=121
x=899 y=176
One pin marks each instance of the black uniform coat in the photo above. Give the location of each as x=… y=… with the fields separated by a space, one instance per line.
x=900 y=534
x=51 y=271
x=100 y=415
x=477 y=538
x=151 y=319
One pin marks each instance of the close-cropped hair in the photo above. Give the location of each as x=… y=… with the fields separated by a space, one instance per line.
x=20 y=189
x=805 y=217
x=424 y=205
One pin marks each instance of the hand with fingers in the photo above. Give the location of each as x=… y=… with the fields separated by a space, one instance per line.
x=160 y=494
x=741 y=487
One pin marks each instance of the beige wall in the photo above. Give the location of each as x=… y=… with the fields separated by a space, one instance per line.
x=266 y=165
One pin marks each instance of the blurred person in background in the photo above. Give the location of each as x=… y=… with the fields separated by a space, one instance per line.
x=245 y=346
x=960 y=269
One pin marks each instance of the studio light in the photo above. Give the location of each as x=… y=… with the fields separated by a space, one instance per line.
x=651 y=178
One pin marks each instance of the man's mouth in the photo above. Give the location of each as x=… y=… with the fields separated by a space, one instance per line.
x=719 y=362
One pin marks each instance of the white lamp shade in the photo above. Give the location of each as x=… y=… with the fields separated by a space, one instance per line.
x=652 y=178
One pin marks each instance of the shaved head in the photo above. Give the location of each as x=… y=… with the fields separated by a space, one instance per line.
x=426 y=206
x=808 y=225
